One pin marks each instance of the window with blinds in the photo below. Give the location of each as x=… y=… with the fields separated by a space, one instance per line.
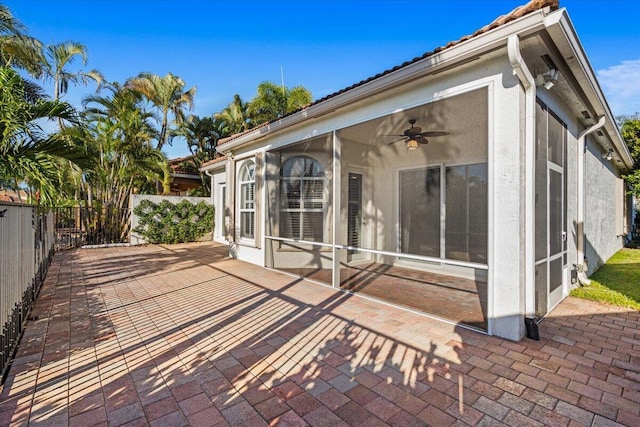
x=247 y=200
x=302 y=199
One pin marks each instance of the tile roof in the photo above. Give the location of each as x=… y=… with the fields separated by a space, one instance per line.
x=177 y=165
x=518 y=12
x=213 y=162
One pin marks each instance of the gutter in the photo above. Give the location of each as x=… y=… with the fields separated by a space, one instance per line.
x=581 y=266
x=529 y=84
x=564 y=36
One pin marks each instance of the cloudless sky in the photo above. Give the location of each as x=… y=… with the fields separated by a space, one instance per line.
x=228 y=47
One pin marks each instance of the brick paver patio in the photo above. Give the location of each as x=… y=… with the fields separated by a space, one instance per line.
x=182 y=335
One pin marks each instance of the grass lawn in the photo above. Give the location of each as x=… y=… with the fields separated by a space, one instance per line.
x=617 y=282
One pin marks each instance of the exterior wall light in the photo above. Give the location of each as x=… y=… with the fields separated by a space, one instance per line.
x=546 y=80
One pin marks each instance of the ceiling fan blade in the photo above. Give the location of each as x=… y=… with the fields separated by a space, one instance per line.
x=397 y=140
x=434 y=133
x=395 y=135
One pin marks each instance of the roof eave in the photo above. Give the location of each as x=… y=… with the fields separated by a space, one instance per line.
x=218 y=163
x=564 y=36
x=439 y=62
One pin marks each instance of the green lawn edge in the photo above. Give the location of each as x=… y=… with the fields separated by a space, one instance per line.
x=617 y=282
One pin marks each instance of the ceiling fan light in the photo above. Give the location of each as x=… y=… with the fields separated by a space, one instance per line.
x=412 y=144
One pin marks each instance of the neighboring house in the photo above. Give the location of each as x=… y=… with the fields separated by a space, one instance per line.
x=183 y=178
x=490 y=222
x=13 y=196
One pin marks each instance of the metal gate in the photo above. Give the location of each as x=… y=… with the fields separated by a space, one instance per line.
x=77 y=227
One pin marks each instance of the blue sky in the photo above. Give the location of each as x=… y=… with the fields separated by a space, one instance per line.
x=228 y=47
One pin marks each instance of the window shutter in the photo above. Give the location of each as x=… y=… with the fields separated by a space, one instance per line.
x=354 y=212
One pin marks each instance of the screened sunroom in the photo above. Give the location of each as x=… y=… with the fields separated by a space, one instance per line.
x=470 y=183
x=394 y=208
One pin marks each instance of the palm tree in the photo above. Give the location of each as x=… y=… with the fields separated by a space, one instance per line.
x=273 y=101
x=201 y=138
x=16 y=48
x=120 y=132
x=58 y=58
x=167 y=94
x=29 y=154
x=235 y=117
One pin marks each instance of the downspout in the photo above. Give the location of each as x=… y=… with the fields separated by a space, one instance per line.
x=581 y=266
x=529 y=84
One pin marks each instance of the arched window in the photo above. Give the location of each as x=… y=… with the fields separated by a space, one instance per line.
x=247 y=200
x=302 y=199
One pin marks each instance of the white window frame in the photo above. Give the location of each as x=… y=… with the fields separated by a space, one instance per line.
x=302 y=209
x=247 y=205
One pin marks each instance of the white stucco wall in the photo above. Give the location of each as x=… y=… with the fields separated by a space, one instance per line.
x=603 y=211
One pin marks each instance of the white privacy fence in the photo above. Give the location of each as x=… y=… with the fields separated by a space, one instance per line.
x=26 y=249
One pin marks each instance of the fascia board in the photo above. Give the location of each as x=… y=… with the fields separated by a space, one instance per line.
x=565 y=38
x=439 y=62
x=214 y=166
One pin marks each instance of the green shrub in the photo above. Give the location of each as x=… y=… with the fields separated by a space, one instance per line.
x=168 y=223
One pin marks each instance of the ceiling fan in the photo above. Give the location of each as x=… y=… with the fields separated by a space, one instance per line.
x=414 y=136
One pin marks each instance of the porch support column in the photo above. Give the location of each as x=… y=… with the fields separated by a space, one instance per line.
x=529 y=85
x=230 y=208
x=336 y=198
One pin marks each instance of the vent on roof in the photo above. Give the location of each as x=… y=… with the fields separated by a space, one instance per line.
x=547 y=60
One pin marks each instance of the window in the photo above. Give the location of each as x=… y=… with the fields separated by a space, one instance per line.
x=302 y=199
x=465 y=208
x=247 y=202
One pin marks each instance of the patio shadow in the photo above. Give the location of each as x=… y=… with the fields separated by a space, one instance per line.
x=227 y=342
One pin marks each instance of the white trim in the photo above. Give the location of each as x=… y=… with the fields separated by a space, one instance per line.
x=491 y=106
x=460 y=53
x=564 y=36
x=450 y=92
x=388 y=253
x=336 y=206
x=244 y=240
x=528 y=83
x=443 y=210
